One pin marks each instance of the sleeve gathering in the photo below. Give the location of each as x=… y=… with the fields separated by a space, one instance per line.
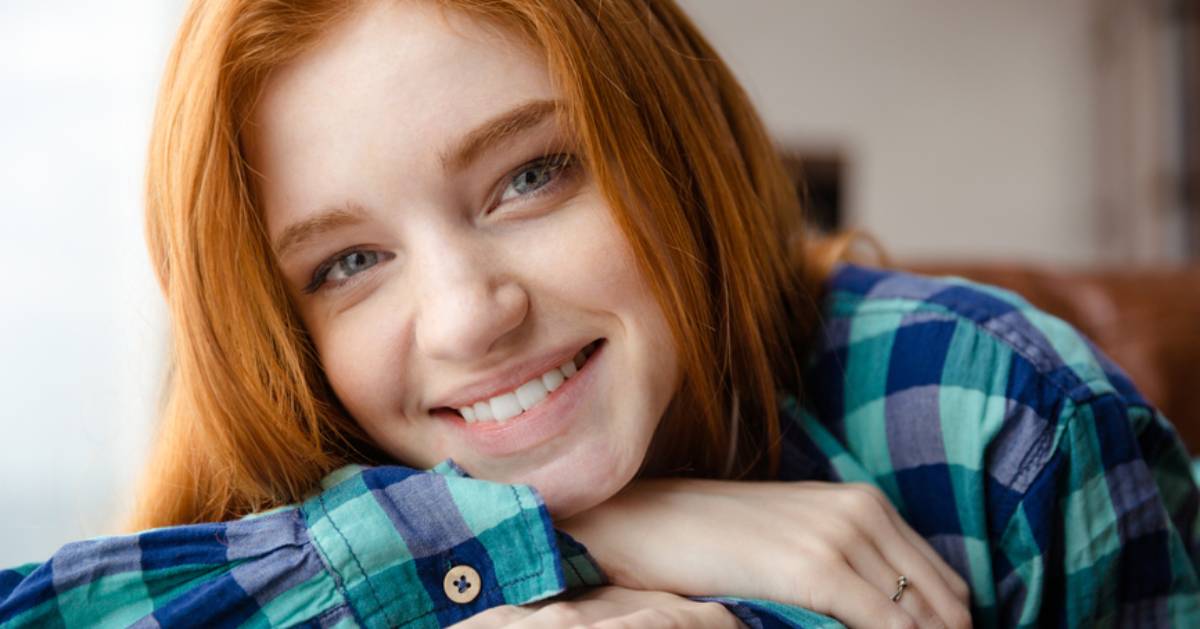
x=376 y=548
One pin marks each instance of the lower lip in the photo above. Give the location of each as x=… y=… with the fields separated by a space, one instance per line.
x=535 y=426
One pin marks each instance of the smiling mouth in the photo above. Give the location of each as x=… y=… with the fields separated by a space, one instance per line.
x=503 y=407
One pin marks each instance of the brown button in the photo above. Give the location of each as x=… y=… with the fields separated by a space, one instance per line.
x=461 y=584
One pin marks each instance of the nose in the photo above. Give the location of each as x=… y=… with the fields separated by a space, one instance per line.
x=469 y=303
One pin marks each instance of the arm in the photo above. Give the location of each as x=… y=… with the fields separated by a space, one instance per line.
x=350 y=553
x=779 y=554
x=1107 y=533
x=1034 y=465
x=695 y=537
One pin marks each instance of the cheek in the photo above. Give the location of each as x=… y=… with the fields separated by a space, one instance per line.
x=621 y=283
x=357 y=368
x=616 y=285
x=598 y=268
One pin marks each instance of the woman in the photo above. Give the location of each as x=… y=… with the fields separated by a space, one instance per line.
x=551 y=243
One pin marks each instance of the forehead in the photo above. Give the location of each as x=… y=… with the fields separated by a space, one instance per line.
x=387 y=88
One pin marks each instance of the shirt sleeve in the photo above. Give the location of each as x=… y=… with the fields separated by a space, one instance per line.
x=1021 y=453
x=1104 y=531
x=378 y=547
x=1106 y=534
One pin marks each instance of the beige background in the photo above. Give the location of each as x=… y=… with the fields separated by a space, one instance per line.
x=1027 y=129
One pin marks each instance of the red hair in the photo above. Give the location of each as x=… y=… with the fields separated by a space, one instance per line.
x=695 y=184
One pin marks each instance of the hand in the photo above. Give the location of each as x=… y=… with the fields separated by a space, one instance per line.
x=609 y=608
x=833 y=548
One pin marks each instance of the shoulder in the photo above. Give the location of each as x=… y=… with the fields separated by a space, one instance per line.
x=927 y=383
x=1016 y=423
x=951 y=331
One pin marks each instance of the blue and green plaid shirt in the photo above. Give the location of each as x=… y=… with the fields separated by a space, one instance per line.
x=1024 y=456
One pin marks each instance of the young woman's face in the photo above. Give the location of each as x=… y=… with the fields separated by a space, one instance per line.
x=445 y=266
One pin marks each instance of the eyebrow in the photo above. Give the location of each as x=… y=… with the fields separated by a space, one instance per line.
x=473 y=145
x=495 y=131
x=299 y=233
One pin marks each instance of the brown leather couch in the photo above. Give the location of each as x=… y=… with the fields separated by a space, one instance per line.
x=1147 y=321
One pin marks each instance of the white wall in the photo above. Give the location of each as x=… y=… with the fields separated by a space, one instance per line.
x=969 y=125
x=81 y=332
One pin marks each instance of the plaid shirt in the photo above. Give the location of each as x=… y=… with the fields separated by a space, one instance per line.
x=1023 y=455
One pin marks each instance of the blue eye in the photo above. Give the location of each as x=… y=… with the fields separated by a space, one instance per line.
x=540 y=176
x=341 y=268
x=353 y=263
x=536 y=177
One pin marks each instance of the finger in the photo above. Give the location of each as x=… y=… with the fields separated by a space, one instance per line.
x=693 y=615
x=877 y=519
x=871 y=565
x=948 y=574
x=579 y=611
x=857 y=603
x=957 y=585
x=923 y=574
x=595 y=604
x=501 y=616
x=904 y=553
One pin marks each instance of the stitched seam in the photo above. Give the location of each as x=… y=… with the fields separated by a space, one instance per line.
x=498 y=586
x=1013 y=516
x=333 y=611
x=481 y=593
x=338 y=580
x=1017 y=349
x=1044 y=439
x=1044 y=442
x=1066 y=426
x=366 y=577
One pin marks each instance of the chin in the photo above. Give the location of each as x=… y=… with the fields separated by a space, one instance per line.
x=566 y=501
x=573 y=484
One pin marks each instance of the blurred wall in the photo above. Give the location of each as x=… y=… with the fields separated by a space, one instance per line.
x=81 y=327
x=968 y=127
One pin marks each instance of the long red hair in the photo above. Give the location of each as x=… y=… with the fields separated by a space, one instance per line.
x=249 y=421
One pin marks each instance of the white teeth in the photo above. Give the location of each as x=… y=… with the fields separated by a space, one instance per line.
x=531 y=393
x=505 y=406
x=552 y=379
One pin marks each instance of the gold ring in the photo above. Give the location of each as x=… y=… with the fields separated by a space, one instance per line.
x=901 y=583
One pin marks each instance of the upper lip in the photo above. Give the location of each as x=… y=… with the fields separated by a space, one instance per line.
x=507 y=378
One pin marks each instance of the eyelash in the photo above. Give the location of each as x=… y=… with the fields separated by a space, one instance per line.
x=561 y=165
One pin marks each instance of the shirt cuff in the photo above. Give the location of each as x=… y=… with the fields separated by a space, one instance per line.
x=426 y=549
